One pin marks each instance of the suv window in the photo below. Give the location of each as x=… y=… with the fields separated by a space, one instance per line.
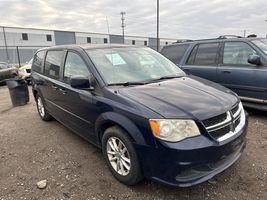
x=74 y=65
x=206 y=54
x=37 y=61
x=237 y=53
x=52 y=63
x=175 y=52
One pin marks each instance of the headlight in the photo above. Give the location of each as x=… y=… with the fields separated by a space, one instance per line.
x=173 y=130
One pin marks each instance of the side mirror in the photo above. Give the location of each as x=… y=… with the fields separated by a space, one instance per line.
x=80 y=82
x=254 y=59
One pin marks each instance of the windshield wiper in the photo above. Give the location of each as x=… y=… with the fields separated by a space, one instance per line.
x=127 y=83
x=164 y=78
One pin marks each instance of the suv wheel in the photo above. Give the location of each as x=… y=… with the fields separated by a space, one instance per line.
x=120 y=156
x=41 y=109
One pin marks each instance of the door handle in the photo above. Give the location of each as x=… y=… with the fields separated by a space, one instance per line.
x=54 y=87
x=63 y=91
x=226 y=72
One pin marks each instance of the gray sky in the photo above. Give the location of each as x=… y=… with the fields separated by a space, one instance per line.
x=178 y=19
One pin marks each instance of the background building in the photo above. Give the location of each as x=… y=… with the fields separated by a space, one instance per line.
x=17 y=45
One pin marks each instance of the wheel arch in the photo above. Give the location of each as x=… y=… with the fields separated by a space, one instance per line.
x=109 y=119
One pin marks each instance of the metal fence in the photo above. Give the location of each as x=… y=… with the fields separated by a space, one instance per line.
x=17 y=55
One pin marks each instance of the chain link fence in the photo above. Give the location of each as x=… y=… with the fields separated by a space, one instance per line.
x=17 y=55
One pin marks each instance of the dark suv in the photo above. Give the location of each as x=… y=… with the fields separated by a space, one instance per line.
x=149 y=118
x=237 y=63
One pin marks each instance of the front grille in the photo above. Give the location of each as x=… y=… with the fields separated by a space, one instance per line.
x=223 y=124
x=237 y=122
x=28 y=70
x=215 y=120
x=235 y=109
x=220 y=132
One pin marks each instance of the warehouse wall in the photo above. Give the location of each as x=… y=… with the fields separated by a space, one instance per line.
x=38 y=38
x=63 y=37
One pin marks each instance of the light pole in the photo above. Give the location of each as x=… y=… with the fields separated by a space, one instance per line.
x=122 y=24
x=157 y=25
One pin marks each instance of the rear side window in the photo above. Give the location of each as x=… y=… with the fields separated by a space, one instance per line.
x=206 y=54
x=37 y=61
x=175 y=53
x=52 y=63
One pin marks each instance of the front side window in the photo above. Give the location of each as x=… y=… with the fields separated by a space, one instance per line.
x=74 y=65
x=206 y=54
x=122 y=65
x=52 y=63
x=237 y=53
x=37 y=61
x=262 y=44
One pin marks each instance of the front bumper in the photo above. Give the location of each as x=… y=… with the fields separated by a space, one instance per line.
x=191 y=161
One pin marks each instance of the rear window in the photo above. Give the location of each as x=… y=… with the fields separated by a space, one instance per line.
x=204 y=54
x=175 y=53
x=52 y=63
x=37 y=61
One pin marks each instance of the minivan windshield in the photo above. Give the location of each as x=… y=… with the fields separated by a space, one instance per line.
x=130 y=65
x=262 y=44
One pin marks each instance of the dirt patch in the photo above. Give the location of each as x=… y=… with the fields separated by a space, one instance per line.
x=32 y=150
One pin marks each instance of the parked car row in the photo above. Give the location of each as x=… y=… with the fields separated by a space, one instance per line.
x=239 y=64
x=149 y=117
x=6 y=72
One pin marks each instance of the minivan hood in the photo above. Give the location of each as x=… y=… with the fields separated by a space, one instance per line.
x=183 y=97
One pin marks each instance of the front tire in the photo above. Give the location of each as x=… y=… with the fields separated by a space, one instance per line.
x=121 y=156
x=41 y=109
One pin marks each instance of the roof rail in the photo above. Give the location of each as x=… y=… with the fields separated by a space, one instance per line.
x=181 y=41
x=252 y=36
x=229 y=36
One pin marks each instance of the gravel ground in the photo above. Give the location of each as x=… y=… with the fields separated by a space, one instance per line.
x=32 y=150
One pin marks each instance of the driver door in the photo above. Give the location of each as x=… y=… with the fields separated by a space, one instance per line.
x=76 y=103
x=237 y=74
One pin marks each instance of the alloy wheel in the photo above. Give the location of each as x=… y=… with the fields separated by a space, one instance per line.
x=118 y=156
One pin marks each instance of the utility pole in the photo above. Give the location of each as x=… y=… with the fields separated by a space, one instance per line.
x=157 y=25
x=122 y=24
x=245 y=32
x=7 y=56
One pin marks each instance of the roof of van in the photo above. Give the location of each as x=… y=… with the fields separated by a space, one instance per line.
x=89 y=46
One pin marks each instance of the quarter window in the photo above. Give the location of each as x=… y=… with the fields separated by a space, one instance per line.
x=37 y=61
x=175 y=52
x=52 y=63
x=206 y=54
x=74 y=65
x=237 y=53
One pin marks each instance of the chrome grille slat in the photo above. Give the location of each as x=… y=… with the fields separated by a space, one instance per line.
x=228 y=127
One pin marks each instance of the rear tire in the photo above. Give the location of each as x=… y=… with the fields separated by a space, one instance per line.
x=41 y=109
x=120 y=156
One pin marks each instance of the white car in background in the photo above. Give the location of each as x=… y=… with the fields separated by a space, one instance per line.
x=25 y=71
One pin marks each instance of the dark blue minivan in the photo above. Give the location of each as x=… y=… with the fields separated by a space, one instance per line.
x=149 y=118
